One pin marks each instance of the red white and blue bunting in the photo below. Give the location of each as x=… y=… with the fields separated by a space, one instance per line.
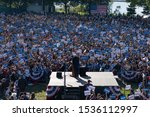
x=51 y=91
x=130 y=75
x=36 y=73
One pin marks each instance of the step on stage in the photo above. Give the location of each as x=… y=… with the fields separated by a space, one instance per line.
x=97 y=78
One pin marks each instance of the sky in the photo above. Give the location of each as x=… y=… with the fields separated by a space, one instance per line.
x=123 y=7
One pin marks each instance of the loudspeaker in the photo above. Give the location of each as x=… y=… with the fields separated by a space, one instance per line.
x=75 y=67
x=59 y=75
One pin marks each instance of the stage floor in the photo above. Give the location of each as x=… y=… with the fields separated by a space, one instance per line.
x=97 y=78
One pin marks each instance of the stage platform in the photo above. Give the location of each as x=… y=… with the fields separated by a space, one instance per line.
x=97 y=78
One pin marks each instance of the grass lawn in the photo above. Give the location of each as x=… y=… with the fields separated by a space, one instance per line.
x=39 y=90
x=126 y=92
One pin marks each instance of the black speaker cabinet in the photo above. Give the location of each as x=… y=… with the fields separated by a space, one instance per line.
x=75 y=66
x=59 y=75
x=83 y=71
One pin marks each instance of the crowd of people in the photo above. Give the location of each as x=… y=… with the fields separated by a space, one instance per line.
x=117 y=92
x=29 y=42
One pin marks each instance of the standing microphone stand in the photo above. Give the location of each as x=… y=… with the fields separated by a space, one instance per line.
x=64 y=74
x=65 y=79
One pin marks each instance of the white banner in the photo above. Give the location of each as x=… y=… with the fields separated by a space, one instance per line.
x=74 y=108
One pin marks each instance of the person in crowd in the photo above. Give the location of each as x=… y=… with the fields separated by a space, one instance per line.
x=32 y=96
x=22 y=84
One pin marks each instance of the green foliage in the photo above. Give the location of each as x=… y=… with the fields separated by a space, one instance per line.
x=80 y=9
x=15 y=3
x=143 y=3
x=146 y=10
x=131 y=10
x=140 y=3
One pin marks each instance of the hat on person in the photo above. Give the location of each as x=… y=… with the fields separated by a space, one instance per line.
x=89 y=81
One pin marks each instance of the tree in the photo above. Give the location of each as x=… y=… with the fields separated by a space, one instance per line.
x=146 y=10
x=15 y=3
x=51 y=5
x=66 y=6
x=140 y=3
x=8 y=3
x=65 y=3
x=73 y=5
x=89 y=3
x=131 y=10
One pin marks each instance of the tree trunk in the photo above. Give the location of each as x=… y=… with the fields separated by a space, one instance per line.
x=68 y=9
x=10 y=3
x=89 y=4
x=43 y=6
x=65 y=7
x=25 y=5
x=51 y=8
